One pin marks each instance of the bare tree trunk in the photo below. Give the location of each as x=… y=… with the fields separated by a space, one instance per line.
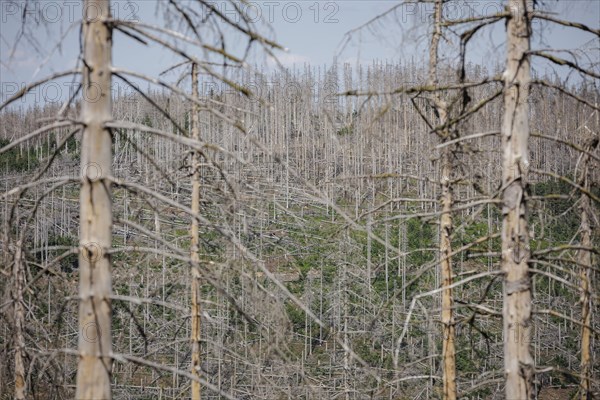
x=584 y=258
x=195 y=241
x=19 y=315
x=518 y=363
x=448 y=334
x=445 y=245
x=95 y=342
x=585 y=262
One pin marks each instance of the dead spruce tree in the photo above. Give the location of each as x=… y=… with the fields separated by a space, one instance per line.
x=584 y=259
x=195 y=242
x=445 y=244
x=376 y=204
x=518 y=362
x=95 y=236
x=20 y=392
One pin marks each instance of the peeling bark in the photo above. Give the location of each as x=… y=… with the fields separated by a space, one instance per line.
x=518 y=363
x=446 y=223
x=448 y=338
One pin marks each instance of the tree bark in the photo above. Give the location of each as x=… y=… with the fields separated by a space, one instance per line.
x=194 y=230
x=19 y=315
x=585 y=262
x=446 y=226
x=584 y=258
x=95 y=342
x=446 y=223
x=518 y=363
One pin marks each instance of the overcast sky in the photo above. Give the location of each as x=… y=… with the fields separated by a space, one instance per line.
x=313 y=31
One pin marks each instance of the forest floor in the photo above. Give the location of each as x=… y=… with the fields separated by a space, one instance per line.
x=550 y=393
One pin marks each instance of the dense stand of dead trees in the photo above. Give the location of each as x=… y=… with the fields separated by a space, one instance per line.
x=332 y=197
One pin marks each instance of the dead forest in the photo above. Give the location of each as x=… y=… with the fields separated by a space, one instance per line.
x=415 y=229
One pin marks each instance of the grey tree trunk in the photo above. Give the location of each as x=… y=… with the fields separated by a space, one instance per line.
x=95 y=344
x=518 y=363
x=195 y=206
x=19 y=315
x=584 y=258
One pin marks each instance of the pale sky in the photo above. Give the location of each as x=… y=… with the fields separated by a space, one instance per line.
x=313 y=31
